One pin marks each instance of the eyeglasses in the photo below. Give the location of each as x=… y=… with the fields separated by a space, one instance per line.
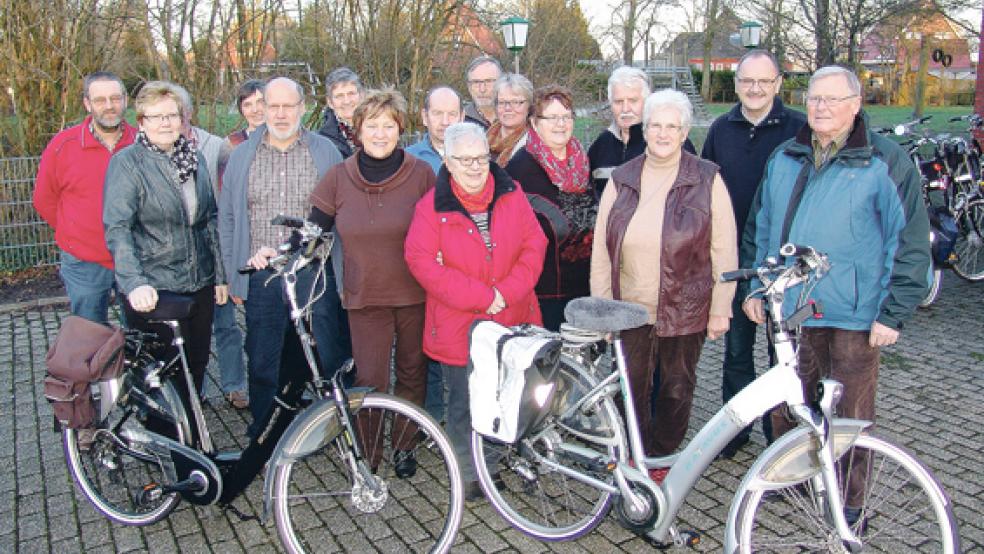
x=276 y=108
x=481 y=82
x=555 y=119
x=670 y=128
x=513 y=104
x=103 y=101
x=158 y=119
x=762 y=83
x=470 y=161
x=830 y=101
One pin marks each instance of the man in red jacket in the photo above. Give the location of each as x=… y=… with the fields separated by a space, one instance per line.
x=68 y=193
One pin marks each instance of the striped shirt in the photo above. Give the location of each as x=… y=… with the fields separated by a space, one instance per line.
x=279 y=183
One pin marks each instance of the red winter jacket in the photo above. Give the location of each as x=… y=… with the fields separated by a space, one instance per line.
x=460 y=290
x=68 y=190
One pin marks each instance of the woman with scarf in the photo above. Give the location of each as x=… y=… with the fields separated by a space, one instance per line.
x=160 y=218
x=553 y=170
x=513 y=98
x=477 y=249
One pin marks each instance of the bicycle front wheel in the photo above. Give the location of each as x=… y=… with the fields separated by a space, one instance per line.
x=390 y=505
x=902 y=508
x=536 y=498
x=112 y=471
x=969 y=246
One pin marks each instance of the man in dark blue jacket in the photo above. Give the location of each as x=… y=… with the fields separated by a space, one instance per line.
x=740 y=142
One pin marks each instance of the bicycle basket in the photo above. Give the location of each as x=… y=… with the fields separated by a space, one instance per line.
x=510 y=381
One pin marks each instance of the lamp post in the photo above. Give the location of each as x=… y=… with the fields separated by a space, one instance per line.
x=751 y=34
x=514 y=31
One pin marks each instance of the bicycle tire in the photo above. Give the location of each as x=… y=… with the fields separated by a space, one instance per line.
x=540 y=502
x=419 y=512
x=969 y=246
x=935 y=284
x=110 y=477
x=904 y=509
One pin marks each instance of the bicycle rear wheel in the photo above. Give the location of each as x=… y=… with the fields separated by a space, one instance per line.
x=903 y=508
x=969 y=246
x=111 y=471
x=320 y=506
x=537 y=499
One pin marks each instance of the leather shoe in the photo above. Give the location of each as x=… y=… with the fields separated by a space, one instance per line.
x=404 y=463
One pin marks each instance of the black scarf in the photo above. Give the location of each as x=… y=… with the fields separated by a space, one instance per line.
x=183 y=155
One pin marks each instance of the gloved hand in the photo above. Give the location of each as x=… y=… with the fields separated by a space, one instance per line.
x=143 y=298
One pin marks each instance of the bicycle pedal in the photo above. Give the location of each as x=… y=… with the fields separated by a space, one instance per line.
x=151 y=492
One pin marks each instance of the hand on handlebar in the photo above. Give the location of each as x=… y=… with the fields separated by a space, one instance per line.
x=262 y=257
x=755 y=310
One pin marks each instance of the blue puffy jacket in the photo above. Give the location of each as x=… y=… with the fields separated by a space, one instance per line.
x=864 y=209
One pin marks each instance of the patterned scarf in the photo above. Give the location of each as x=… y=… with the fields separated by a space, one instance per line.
x=183 y=155
x=569 y=175
x=474 y=203
x=349 y=134
x=502 y=147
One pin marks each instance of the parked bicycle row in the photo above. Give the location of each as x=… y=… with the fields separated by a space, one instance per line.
x=515 y=299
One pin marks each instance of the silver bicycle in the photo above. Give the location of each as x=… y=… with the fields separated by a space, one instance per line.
x=826 y=486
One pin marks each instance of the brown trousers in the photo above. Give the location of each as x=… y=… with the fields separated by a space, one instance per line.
x=845 y=356
x=674 y=359
x=373 y=329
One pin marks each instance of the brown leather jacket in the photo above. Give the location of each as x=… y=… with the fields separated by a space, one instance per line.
x=685 y=279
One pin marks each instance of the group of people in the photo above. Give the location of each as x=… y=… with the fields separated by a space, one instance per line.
x=499 y=213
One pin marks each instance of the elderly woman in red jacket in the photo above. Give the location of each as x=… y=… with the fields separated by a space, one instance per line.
x=477 y=249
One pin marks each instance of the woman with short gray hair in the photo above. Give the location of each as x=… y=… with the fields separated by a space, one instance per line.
x=513 y=99
x=665 y=233
x=476 y=248
x=343 y=92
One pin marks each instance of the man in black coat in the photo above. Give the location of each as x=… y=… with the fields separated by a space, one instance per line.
x=740 y=142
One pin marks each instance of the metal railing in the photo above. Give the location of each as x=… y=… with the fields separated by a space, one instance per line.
x=25 y=239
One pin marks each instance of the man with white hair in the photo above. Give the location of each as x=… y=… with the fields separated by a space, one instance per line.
x=273 y=173
x=854 y=195
x=628 y=88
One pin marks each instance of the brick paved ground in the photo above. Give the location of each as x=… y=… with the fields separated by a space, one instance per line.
x=931 y=399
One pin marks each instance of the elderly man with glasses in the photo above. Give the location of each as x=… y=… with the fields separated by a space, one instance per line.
x=740 y=142
x=854 y=195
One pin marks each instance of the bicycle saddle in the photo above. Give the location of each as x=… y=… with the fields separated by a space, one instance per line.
x=600 y=314
x=170 y=305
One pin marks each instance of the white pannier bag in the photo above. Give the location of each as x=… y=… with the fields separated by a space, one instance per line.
x=510 y=379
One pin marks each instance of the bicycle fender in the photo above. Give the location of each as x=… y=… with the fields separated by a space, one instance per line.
x=309 y=431
x=791 y=459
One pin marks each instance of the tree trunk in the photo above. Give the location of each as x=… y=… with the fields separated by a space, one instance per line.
x=710 y=27
x=920 y=97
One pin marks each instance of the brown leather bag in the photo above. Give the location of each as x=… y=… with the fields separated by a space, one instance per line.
x=83 y=352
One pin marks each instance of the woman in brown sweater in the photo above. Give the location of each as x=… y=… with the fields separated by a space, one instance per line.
x=665 y=232
x=370 y=199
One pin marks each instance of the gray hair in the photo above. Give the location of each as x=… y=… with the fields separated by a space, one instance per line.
x=185 y=98
x=759 y=53
x=627 y=76
x=463 y=132
x=833 y=70
x=427 y=99
x=479 y=60
x=340 y=76
x=516 y=83
x=669 y=98
x=101 y=76
x=297 y=86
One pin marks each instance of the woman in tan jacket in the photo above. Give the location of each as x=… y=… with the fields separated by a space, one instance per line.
x=665 y=233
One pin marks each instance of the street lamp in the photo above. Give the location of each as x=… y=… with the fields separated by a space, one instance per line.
x=514 y=30
x=751 y=34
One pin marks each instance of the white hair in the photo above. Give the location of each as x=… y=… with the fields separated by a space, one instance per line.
x=463 y=132
x=832 y=70
x=627 y=76
x=669 y=98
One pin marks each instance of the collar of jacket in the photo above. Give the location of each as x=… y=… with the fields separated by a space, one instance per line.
x=776 y=115
x=630 y=173
x=857 y=149
x=446 y=201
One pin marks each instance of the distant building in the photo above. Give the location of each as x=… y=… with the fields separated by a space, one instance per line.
x=687 y=49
